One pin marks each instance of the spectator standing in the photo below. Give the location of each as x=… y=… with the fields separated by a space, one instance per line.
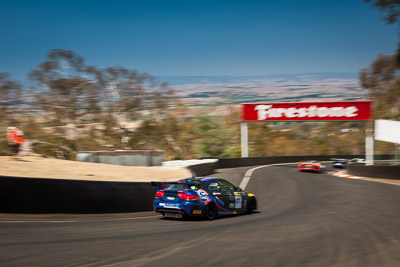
x=15 y=139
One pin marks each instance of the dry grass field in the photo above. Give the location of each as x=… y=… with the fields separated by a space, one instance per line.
x=39 y=167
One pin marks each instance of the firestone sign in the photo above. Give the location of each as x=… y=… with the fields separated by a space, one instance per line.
x=311 y=111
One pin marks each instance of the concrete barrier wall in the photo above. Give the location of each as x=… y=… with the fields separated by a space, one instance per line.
x=203 y=169
x=35 y=195
x=375 y=171
x=124 y=158
x=209 y=168
x=39 y=195
x=255 y=161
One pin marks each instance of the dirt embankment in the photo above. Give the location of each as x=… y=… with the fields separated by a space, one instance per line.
x=38 y=167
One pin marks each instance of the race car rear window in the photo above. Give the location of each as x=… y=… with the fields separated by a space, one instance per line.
x=191 y=185
x=178 y=186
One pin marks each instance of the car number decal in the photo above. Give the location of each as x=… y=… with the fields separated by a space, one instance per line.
x=203 y=195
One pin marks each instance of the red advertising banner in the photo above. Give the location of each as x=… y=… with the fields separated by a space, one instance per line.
x=311 y=111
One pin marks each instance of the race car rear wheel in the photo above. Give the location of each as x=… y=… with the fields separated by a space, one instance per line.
x=210 y=212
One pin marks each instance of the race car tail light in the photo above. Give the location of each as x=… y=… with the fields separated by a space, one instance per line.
x=187 y=196
x=159 y=194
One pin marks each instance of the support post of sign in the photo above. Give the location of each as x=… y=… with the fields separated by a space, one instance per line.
x=369 y=146
x=244 y=139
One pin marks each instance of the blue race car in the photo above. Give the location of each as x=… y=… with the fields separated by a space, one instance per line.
x=340 y=163
x=202 y=197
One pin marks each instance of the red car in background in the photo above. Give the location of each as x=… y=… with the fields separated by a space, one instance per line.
x=311 y=165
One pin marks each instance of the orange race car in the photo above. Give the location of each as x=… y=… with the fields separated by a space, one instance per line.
x=311 y=165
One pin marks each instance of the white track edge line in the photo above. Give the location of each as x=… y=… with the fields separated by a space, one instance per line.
x=249 y=173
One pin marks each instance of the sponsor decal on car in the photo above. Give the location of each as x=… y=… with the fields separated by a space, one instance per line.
x=220 y=201
x=238 y=202
x=203 y=195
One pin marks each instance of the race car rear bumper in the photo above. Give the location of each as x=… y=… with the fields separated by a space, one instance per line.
x=184 y=209
x=310 y=169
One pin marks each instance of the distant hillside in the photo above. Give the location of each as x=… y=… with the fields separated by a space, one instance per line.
x=274 y=87
x=182 y=80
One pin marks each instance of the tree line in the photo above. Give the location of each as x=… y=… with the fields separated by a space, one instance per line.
x=78 y=107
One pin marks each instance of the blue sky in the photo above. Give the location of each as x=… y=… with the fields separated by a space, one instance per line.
x=196 y=37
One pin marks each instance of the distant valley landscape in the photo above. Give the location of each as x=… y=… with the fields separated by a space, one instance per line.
x=267 y=88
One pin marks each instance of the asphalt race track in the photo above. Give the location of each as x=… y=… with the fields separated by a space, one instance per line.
x=304 y=219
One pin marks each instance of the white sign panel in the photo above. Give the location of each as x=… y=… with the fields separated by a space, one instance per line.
x=387 y=131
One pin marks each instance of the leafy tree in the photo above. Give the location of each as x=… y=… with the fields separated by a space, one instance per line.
x=160 y=99
x=170 y=135
x=391 y=14
x=381 y=78
x=10 y=97
x=123 y=91
x=382 y=81
x=64 y=91
x=214 y=139
x=390 y=8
